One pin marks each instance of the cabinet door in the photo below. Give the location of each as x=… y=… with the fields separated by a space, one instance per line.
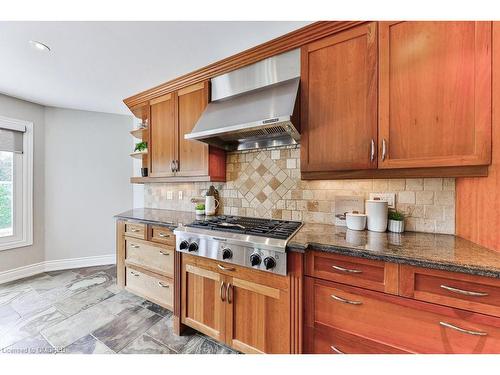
x=339 y=101
x=202 y=300
x=163 y=133
x=257 y=317
x=435 y=94
x=193 y=155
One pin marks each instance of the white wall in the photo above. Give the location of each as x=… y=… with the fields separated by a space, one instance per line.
x=87 y=172
x=22 y=110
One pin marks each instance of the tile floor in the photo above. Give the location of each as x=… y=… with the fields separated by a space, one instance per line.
x=83 y=311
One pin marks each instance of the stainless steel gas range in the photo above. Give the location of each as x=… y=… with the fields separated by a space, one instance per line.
x=245 y=241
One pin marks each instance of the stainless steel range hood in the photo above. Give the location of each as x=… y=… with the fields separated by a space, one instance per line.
x=253 y=107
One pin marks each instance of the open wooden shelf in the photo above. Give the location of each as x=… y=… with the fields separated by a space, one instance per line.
x=149 y=180
x=138 y=133
x=138 y=155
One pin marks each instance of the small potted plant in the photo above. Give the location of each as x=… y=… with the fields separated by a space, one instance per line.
x=396 y=222
x=141 y=147
x=200 y=209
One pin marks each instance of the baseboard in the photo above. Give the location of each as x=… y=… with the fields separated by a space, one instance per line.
x=55 y=265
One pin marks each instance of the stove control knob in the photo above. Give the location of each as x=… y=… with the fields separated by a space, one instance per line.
x=183 y=245
x=193 y=246
x=227 y=253
x=255 y=260
x=269 y=262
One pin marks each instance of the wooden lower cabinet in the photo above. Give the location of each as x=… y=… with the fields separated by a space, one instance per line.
x=250 y=314
x=202 y=304
x=393 y=321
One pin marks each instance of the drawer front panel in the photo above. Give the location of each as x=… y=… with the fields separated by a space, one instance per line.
x=395 y=321
x=136 y=230
x=157 y=290
x=366 y=273
x=468 y=292
x=162 y=235
x=154 y=257
x=335 y=341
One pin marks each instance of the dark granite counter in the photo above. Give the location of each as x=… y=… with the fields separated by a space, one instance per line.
x=167 y=218
x=439 y=251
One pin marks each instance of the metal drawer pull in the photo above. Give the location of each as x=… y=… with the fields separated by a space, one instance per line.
x=226 y=268
x=163 y=285
x=337 y=298
x=163 y=235
x=134 y=246
x=164 y=253
x=464 y=292
x=135 y=230
x=372 y=150
x=221 y=291
x=384 y=149
x=346 y=269
x=469 y=332
x=134 y=273
x=229 y=291
x=336 y=350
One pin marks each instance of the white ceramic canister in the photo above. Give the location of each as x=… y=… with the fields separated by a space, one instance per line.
x=376 y=212
x=355 y=221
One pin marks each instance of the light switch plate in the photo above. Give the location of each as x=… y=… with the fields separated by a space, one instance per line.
x=180 y=195
x=390 y=198
x=169 y=194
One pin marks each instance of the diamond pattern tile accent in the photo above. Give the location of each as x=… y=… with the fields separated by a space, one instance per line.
x=262 y=183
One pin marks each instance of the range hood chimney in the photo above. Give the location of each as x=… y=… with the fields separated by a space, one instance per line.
x=253 y=107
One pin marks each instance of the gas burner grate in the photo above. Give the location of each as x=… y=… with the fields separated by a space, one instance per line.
x=271 y=228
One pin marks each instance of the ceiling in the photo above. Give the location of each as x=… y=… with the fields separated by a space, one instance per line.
x=95 y=65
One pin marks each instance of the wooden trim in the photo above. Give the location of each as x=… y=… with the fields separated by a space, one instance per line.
x=465 y=171
x=391 y=278
x=244 y=348
x=120 y=253
x=160 y=99
x=150 y=180
x=254 y=287
x=189 y=89
x=202 y=272
x=178 y=326
x=284 y=43
x=296 y=280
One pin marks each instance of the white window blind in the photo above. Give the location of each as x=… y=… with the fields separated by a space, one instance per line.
x=11 y=140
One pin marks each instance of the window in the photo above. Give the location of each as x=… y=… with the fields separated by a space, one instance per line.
x=16 y=183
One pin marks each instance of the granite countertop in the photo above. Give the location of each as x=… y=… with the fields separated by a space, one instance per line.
x=439 y=251
x=167 y=218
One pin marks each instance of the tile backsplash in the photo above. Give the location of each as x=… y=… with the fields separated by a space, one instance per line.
x=266 y=183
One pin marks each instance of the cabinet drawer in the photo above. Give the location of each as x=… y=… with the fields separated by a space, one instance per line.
x=149 y=255
x=328 y=340
x=162 y=235
x=158 y=289
x=468 y=292
x=414 y=326
x=136 y=230
x=366 y=273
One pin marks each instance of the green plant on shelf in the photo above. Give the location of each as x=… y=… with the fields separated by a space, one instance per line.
x=141 y=147
x=396 y=215
x=200 y=206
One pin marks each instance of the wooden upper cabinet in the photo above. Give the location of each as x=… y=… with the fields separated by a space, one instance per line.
x=339 y=101
x=435 y=94
x=163 y=130
x=193 y=155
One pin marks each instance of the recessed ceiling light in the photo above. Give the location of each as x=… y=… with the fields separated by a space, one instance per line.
x=39 y=46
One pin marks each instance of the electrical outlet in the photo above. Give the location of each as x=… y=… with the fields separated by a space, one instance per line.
x=180 y=195
x=390 y=198
x=169 y=195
